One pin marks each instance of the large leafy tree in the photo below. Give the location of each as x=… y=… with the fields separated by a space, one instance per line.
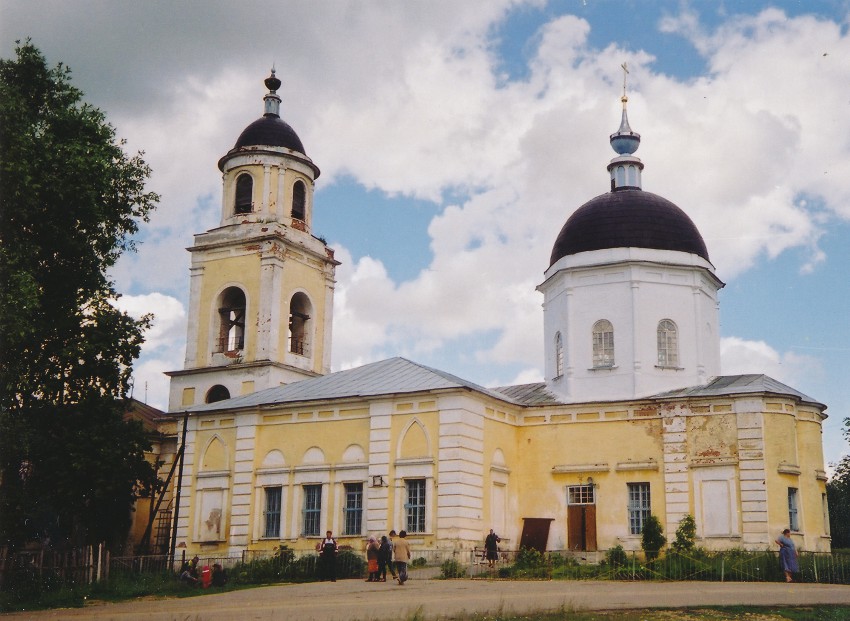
x=70 y=201
x=838 y=498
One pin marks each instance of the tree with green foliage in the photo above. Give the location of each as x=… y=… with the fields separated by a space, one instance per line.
x=652 y=537
x=686 y=534
x=838 y=498
x=70 y=201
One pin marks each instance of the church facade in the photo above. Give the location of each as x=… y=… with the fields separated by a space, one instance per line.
x=633 y=418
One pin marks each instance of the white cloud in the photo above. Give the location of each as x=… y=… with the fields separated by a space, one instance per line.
x=407 y=98
x=740 y=356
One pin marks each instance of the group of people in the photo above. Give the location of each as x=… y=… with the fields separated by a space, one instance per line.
x=192 y=574
x=389 y=553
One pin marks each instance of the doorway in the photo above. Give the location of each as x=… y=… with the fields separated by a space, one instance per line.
x=581 y=518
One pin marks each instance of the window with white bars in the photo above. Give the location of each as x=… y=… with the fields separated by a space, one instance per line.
x=639 y=507
x=580 y=495
x=603 y=344
x=415 y=505
x=668 y=344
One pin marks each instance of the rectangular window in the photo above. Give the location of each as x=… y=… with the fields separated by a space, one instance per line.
x=272 y=512
x=312 y=510
x=415 y=505
x=353 y=509
x=580 y=495
x=638 y=506
x=793 y=517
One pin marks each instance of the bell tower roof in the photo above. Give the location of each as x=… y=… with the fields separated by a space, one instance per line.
x=269 y=130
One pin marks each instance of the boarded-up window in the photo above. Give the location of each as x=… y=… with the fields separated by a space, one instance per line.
x=716 y=508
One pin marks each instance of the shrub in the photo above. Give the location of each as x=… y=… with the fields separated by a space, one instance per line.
x=652 y=537
x=419 y=562
x=452 y=569
x=350 y=565
x=529 y=558
x=686 y=535
x=616 y=557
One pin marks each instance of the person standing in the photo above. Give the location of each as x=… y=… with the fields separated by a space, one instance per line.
x=401 y=552
x=491 y=547
x=385 y=555
x=390 y=555
x=327 y=557
x=787 y=555
x=372 y=550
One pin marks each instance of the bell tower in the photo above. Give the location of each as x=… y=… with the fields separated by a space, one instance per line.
x=261 y=284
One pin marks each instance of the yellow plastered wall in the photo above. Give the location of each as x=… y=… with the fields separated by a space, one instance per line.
x=543 y=493
x=305 y=274
x=780 y=440
x=712 y=436
x=812 y=488
x=257 y=173
x=293 y=432
x=215 y=443
x=499 y=434
x=414 y=433
x=220 y=273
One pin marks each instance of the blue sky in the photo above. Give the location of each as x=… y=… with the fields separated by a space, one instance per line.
x=456 y=138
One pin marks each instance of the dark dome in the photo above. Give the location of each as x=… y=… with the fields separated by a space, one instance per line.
x=270 y=131
x=628 y=219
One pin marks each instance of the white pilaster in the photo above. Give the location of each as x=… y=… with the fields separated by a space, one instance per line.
x=243 y=484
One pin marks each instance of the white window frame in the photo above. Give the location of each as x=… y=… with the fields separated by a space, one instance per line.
x=794 y=509
x=667 y=338
x=581 y=495
x=354 y=512
x=269 y=512
x=415 y=513
x=603 y=344
x=311 y=513
x=640 y=506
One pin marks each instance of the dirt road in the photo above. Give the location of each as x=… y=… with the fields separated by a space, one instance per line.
x=347 y=600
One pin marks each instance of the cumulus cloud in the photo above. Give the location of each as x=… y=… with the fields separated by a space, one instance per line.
x=740 y=356
x=409 y=99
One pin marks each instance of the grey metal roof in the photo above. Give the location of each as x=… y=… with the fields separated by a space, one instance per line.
x=386 y=377
x=737 y=384
x=401 y=376
x=529 y=394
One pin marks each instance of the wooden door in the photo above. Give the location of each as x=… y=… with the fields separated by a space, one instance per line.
x=535 y=533
x=581 y=527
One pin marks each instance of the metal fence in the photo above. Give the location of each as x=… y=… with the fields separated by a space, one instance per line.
x=284 y=565
x=727 y=566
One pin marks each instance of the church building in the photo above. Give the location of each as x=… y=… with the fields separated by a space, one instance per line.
x=633 y=418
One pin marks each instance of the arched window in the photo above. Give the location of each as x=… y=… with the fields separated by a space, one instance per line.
x=603 y=344
x=668 y=344
x=300 y=325
x=231 y=320
x=217 y=393
x=559 y=355
x=299 y=200
x=244 y=194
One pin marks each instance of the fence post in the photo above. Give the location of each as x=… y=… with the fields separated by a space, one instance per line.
x=815 y=561
x=722 y=569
